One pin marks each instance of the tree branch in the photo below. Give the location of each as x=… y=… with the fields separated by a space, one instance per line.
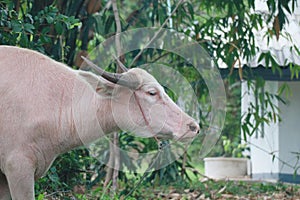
x=115 y=153
x=156 y=34
x=110 y=163
x=118 y=31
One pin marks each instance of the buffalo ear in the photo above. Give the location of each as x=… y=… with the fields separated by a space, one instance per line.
x=130 y=79
x=99 y=84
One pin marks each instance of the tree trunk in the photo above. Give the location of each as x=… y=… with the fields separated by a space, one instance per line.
x=114 y=158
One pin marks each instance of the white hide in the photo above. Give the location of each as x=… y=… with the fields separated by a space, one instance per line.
x=43 y=113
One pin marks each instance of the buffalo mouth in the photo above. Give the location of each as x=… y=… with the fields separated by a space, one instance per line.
x=165 y=136
x=185 y=137
x=171 y=136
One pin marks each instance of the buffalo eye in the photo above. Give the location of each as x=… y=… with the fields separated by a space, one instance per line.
x=152 y=93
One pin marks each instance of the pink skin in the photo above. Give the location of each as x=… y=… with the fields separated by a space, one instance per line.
x=166 y=119
x=152 y=113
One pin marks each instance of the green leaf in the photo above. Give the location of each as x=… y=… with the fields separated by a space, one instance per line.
x=45 y=39
x=58 y=28
x=41 y=197
x=49 y=19
x=16 y=26
x=24 y=40
x=29 y=28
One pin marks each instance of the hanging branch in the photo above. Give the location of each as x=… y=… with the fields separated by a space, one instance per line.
x=156 y=34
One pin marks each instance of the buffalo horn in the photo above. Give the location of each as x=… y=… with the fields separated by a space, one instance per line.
x=112 y=77
x=120 y=64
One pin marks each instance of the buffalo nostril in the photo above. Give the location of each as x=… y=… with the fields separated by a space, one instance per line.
x=193 y=127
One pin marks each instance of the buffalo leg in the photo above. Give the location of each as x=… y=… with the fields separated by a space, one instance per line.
x=19 y=172
x=4 y=190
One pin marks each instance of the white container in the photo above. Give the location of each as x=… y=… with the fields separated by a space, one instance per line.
x=221 y=167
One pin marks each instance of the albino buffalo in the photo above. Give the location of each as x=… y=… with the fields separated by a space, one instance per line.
x=37 y=106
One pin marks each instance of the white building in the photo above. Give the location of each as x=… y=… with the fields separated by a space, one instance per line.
x=275 y=147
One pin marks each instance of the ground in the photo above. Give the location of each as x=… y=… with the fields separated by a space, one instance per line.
x=202 y=190
x=209 y=189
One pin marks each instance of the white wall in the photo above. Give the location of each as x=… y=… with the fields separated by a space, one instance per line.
x=279 y=139
x=289 y=129
x=263 y=147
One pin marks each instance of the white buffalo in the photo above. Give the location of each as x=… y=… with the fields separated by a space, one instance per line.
x=38 y=102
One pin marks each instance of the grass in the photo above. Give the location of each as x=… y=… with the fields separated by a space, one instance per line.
x=206 y=189
x=195 y=189
x=210 y=189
